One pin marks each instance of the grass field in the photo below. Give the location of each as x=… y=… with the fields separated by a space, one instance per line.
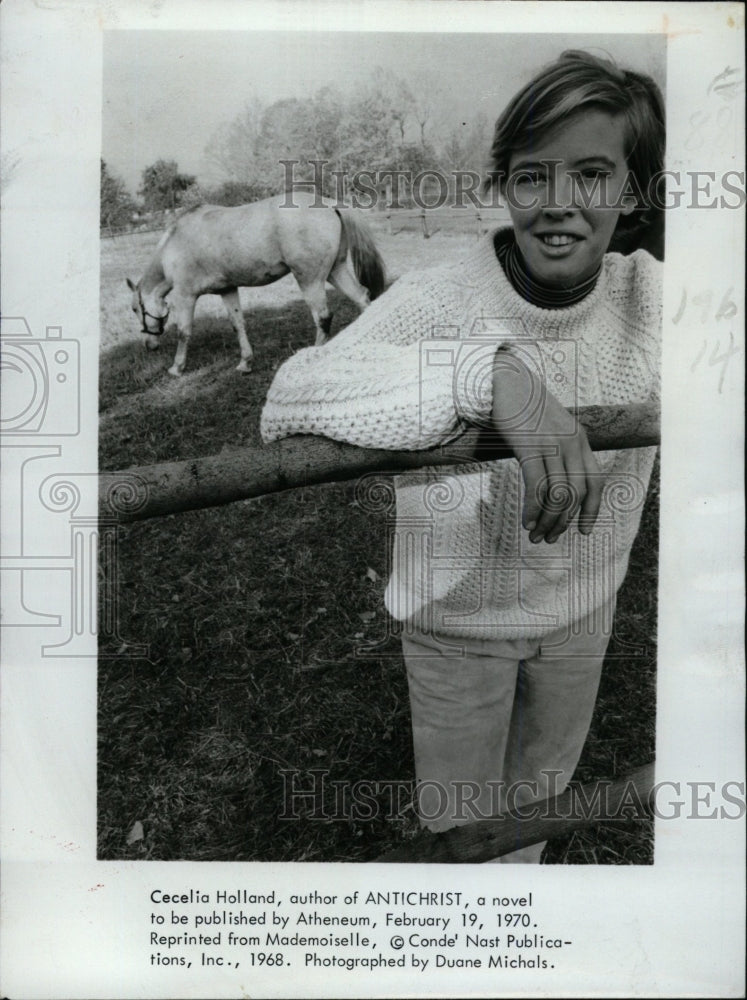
x=253 y=614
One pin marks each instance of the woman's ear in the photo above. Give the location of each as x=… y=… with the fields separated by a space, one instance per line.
x=632 y=196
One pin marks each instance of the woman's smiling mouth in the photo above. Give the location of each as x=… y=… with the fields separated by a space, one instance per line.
x=558 y=244
x=557 y=239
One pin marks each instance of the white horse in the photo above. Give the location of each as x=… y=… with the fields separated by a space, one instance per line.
x=213 y=249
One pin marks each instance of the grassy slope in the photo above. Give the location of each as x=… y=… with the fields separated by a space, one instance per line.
x=252 y=615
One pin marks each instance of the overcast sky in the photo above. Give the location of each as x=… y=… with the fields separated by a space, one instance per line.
x=165 y=92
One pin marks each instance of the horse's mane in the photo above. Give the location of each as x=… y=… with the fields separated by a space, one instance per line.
x=172 y=226
x=162 y=242
x=188 y=211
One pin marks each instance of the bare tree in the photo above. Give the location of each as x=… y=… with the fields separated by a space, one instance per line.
x=116 y=205
x=427 y=100
x=234 y=147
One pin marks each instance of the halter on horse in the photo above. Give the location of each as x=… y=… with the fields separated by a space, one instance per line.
x=144 y=315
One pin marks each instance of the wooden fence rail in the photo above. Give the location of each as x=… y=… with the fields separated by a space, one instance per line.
x=171 y=487
x=578 y=807
x=110 y=232
x=432 y=220
x=467 y=218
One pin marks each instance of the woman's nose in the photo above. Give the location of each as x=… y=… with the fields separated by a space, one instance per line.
x=561 y=200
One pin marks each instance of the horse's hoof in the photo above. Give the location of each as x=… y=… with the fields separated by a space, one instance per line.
x=244 y=366
x=176 y=372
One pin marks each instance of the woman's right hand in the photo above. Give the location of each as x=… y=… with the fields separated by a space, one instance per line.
x=561 y=476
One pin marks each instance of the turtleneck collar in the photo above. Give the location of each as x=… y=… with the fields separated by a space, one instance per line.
x=537 y=294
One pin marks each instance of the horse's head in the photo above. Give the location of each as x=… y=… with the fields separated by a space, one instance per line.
x=152 y=312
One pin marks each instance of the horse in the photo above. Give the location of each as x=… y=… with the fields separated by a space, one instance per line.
x=217 y=249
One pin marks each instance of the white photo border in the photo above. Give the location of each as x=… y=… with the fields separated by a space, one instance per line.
x=73 y=926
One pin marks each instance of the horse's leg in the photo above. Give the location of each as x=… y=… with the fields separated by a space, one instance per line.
x=316 y=299
x=185 y=312
x=345 y=281
x=233 y=307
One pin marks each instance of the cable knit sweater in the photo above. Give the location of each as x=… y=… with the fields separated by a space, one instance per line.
x=416 y=367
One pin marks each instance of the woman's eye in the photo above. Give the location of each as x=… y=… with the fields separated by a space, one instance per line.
x=591 y=173
x=529 y=177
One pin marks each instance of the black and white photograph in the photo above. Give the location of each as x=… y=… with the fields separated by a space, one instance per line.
x=288 y=700
x=372 y=499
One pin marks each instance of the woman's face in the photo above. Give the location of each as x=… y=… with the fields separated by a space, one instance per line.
x=560 y=194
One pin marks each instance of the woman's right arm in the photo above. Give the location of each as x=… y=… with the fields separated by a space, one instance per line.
x=376 y=384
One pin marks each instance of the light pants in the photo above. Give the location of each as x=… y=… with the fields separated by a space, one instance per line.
x=504 y=711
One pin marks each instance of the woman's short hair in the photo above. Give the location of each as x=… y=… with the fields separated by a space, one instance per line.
x=576 y=81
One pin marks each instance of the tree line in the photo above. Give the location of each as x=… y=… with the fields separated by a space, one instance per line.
x=385 y=123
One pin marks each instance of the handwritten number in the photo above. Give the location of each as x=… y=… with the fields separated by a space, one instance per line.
x=716 y=129
x=699 y=358
x=696 y=139
x=680 y=312
x=724 y=119
x=727 y=309
x=716 y=358
x=705 y=300
x=722 y=359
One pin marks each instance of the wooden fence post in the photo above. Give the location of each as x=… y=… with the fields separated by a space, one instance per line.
x=578 y=807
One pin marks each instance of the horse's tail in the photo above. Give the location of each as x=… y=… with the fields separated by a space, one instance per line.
x=367 y=262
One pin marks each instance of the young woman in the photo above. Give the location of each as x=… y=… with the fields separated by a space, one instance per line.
x=505 y=573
